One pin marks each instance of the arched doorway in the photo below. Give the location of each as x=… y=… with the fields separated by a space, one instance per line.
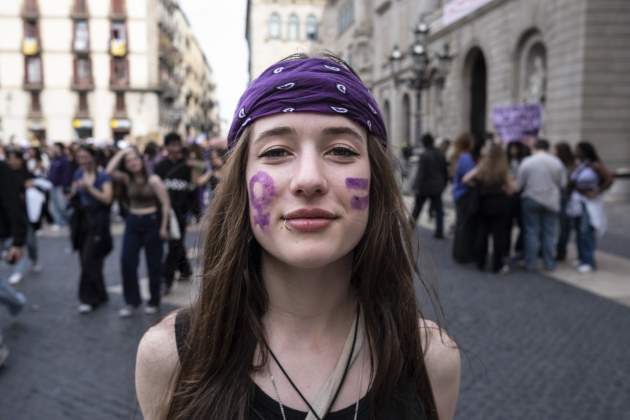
x=476 y=76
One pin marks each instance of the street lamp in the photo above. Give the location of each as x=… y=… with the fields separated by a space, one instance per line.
x=421 y=64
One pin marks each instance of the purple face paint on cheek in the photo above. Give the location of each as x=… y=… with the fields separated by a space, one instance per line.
x=360 y=203
x=363 y=184
x=261 y=201
x=357 y=183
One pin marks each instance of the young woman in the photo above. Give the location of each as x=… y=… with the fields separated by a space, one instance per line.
x=496 y=185
x=588 y=181
x=307 y=307
x=145 y=227
x=462 y=162
x=91 y=198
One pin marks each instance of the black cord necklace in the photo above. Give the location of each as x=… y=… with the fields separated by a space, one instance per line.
x=343 y=377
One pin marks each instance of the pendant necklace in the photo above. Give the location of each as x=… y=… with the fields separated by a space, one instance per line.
x=275 y=387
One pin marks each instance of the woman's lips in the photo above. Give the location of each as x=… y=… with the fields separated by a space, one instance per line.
x=308 y=225
x=309 y=220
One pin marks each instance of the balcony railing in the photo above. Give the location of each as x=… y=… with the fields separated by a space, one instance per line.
x=118 y=47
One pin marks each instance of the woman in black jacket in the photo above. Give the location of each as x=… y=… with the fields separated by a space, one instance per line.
x=91 y=199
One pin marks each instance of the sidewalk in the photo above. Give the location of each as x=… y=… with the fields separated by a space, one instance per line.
x=610 y=281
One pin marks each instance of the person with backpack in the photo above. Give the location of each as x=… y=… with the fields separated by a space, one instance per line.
x=589 y=180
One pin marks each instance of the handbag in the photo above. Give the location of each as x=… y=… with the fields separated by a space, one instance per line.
x=174 y=233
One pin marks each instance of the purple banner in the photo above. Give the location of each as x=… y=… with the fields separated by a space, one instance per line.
x=514 y=121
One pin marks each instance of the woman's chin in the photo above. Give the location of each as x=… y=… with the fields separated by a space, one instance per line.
x=309 y=259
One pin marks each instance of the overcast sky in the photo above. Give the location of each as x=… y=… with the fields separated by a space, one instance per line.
x=220 y=29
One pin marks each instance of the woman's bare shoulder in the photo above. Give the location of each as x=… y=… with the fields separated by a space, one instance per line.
x=156 y=364
x=443 y=364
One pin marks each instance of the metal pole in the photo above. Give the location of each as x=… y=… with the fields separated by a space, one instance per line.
x=419 y=116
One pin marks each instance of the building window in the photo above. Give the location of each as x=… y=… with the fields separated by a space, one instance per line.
x=30 y=44
x=36 y=105
x=346 y=16
x=119 y=32
x=83 y=71
x=120 y=103
x=81 y=36
x=120 y=72
x=83 y=104
x=312 y=28
x=293 y=28
x=33 y=70
x=274 y=26
x=118 y=43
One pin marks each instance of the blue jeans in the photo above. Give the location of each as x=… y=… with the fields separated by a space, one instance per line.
x=540 y=229
x=141 y=231
x=11 y=298
x=58 y=203
x=31 y=247
x=586 y=239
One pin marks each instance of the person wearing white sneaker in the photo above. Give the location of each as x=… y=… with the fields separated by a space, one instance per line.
x=91 y=236
x=33 y=190
x=145 y=227
x=589 y=180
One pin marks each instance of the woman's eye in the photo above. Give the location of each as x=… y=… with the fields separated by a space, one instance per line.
x=343 y=152
x=274 y=153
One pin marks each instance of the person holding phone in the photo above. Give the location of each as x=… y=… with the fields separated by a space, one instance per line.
x=13 y=228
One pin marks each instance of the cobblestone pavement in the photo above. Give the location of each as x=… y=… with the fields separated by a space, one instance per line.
x=533 y=348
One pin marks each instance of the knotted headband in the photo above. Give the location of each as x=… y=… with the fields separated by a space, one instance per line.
x=316 y=85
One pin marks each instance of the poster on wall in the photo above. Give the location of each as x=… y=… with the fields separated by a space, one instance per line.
x=454 y=10
x=512 y=122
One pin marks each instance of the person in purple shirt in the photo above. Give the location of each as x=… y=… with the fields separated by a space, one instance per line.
x=60 y=174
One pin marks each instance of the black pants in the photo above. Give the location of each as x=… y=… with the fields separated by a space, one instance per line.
x=141 y=232
x=176 y=259
x=436 y=204
x=91 y=282
x=494 y=220
x=465 y=229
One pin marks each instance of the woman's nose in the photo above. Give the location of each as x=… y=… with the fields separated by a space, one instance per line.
x=309 y=177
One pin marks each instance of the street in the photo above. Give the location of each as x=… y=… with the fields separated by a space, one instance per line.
x=532 y=347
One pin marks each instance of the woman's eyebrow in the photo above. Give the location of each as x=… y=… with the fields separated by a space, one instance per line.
x=342 y=130
x=277 y=132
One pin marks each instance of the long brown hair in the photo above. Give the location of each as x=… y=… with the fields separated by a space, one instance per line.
x=493 y=167
x=463 y=144
x=225 y=322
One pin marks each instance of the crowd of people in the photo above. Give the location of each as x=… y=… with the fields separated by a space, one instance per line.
x=79 y=186
x=525 y=196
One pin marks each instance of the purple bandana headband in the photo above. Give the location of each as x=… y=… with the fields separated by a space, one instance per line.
x=314 y=85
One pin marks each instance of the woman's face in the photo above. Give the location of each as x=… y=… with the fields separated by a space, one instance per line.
x=14 y=162
x=84 y=158
x=308 y=179
x=133 y=162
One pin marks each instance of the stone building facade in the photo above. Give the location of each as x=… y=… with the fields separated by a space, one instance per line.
x=570 y=56
x=276 y=29
x=74 y=69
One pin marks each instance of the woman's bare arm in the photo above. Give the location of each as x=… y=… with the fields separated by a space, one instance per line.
x=156 y=364
x=443 y=363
